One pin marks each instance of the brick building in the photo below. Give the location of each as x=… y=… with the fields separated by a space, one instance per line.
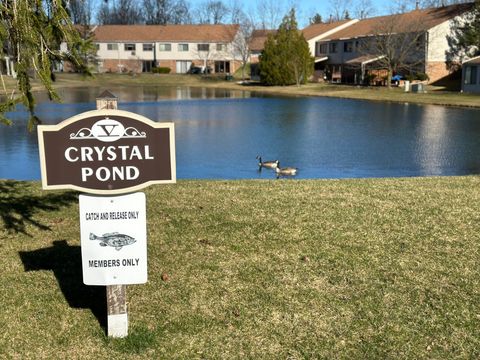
x=140 y=48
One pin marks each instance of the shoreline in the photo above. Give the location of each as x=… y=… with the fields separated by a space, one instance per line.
x=433 y=96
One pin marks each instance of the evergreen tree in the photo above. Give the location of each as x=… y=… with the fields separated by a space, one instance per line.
x=316 y=19
x=286 y=57
x=465 y=39
x=30 y=33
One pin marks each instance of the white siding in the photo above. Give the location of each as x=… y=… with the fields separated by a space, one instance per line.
x=173 y=54
x=437 y=42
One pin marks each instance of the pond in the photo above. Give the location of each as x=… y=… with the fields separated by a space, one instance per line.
x=220 y=132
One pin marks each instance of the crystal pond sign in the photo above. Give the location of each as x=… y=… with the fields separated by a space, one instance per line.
x=106 y=152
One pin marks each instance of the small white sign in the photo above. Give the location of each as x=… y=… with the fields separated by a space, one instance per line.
x=113 y=234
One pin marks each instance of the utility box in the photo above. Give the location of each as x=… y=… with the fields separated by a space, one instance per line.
x=418 y=88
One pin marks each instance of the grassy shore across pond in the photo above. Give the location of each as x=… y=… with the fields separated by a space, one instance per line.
x=258 y=269
x=434 y=95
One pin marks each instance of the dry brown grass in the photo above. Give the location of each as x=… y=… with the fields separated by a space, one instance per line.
x=384 y=268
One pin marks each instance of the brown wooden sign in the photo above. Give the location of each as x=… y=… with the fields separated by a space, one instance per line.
x=106 y=152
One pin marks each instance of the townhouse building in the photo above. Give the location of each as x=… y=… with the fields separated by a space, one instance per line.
x=140 y=48
x=345 y=51
x=349 y=55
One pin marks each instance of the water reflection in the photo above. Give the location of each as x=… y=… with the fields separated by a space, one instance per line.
x=219 y=133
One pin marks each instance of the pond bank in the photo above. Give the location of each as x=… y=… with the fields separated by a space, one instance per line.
x=434 y=95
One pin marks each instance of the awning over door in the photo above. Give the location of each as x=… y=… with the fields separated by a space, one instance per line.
x=320 y=59
x=364 y=60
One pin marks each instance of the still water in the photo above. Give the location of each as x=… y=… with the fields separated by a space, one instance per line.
x=219 y=133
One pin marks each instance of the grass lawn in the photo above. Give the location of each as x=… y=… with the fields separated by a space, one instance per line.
x=351 y=269
x=434 y=95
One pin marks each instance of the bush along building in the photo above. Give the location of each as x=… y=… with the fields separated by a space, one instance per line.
x=166 y=48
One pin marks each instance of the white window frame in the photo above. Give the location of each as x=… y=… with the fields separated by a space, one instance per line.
x=164 y=47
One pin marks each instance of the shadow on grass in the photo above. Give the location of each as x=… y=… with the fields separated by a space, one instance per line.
x=66 y=263
x=18 y=206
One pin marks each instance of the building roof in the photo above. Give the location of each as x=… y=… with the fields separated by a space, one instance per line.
x=475 y=60
x=258 y=39
x=416 y=20
x=173 y=33
x=315 y=30
x=260 y=36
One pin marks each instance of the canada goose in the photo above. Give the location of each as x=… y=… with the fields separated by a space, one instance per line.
x=266 y=164
x=286 y=171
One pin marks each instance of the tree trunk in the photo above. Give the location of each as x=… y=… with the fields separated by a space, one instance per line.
x=389 y=78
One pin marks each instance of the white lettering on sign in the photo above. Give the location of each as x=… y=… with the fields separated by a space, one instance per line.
x=108 y=153
x=114 y=173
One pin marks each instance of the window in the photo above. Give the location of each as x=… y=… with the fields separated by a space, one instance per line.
x=182 y=47
x=147 y=47
x=203 y=47
x=321 y=48
x=419 y=42
x=470 y=75
x=164 y=47
x=332 y=48
x=97 y=46
x=222 y=66
x=348 y=46
x=220 y=47
x=112 y=46
x=130 y=47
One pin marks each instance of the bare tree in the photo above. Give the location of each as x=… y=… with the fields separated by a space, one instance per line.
x=236 y=12
x=181 y=13
x=363 y=9
x=270 y=13
x=397 y=44
x=339 y=8
x=438 y=3
x=165 y=12
x=81 y=11
x=119 y=12
x=204 y=52
x=212 y=12
x=402 y=6
x=241 y=42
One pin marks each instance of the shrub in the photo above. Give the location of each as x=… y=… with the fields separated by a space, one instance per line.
x=422 y=76
x=161 y=70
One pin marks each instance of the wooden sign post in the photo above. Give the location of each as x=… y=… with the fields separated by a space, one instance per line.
x=107 y=152
x=117 y=315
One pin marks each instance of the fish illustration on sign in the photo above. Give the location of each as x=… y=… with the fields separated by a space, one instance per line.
x=116 y=240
